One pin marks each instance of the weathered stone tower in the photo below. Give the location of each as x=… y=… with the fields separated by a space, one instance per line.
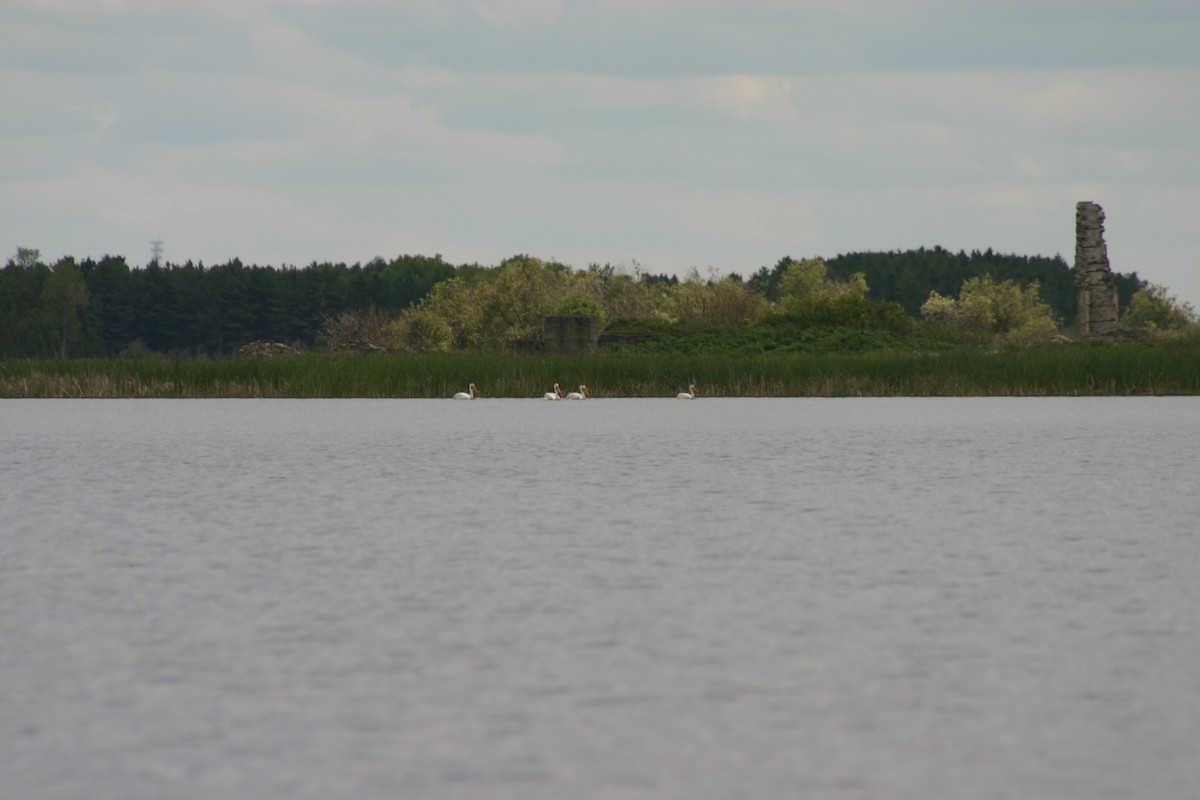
x=570 y=334
x=1095 y=290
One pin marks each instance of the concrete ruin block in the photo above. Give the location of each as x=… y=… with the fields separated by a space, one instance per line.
x=570 y=334
x=1095 y=289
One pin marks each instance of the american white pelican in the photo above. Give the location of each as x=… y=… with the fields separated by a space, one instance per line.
x=690 y=394
x=470 y=394
x=557 y=394
x=582 y=394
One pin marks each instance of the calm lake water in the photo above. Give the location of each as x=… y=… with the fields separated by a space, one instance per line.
x=752 y=598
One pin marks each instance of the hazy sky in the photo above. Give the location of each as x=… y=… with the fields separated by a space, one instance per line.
x=720 y=135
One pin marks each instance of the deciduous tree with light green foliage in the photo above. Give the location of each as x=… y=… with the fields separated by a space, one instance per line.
x=1154 y=309
x=808 y=280
x=456 y=303
x=26 y=258
x=732 y=302
x=506 y=305
x=713 y=302
x=509 y=304
x=629 y=295
x=423 y=331
x=1002 y=309
x=66 y=297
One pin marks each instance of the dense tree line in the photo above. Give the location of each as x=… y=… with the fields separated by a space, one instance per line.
x=105 y=307
x=909 y=277
x=192 y=308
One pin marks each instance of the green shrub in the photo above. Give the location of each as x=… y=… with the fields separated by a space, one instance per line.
x=1154 y=309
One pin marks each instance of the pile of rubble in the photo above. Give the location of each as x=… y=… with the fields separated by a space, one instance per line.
x=266 y=349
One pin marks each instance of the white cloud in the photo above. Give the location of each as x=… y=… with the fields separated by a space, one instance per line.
x=747 y=96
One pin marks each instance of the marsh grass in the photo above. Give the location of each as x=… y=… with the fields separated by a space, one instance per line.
x=1076 y=369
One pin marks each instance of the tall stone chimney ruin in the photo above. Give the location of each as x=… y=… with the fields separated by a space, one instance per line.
x=1095 y=289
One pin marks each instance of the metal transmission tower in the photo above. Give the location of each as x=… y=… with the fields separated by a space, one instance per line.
x=156 y=247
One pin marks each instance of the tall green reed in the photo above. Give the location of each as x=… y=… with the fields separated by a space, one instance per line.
x=1077 y=369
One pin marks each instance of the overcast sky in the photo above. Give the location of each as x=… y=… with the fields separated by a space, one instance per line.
x=673 y=133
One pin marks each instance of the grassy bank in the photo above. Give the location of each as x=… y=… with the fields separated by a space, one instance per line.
x=1078 y=369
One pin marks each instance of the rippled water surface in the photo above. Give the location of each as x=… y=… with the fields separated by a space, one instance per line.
x=867 y=598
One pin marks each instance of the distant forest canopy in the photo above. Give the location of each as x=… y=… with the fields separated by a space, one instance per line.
x=908 y=277
x=103 y=307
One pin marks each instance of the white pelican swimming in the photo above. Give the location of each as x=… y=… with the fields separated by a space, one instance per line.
x=470 y=394
x=690 y=394
x=557 y=394
x=582 y=394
